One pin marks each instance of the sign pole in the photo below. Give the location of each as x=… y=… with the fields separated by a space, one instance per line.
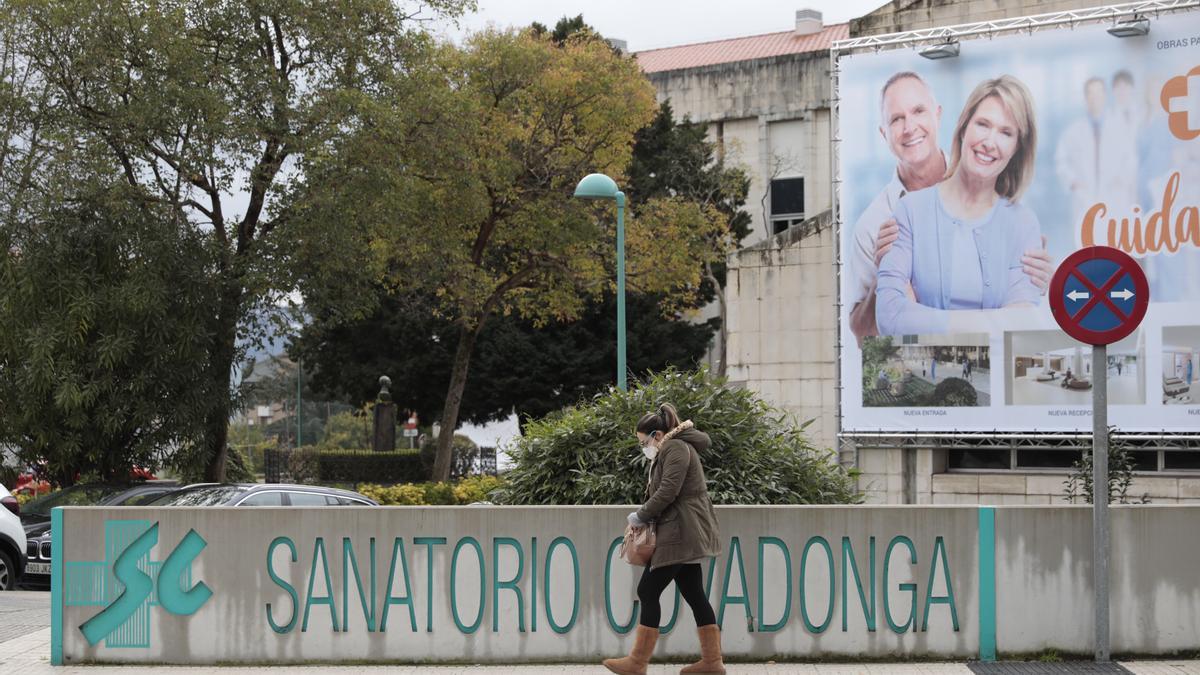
x=1100 y=529
x=1099 y=295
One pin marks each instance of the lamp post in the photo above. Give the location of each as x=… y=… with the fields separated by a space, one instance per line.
x=599 y=186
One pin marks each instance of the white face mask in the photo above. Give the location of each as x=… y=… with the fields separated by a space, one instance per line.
x=649 y=450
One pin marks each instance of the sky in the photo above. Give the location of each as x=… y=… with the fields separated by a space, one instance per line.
x=661 y=23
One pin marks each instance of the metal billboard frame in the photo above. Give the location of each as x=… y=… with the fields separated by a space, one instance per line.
x=921 y=38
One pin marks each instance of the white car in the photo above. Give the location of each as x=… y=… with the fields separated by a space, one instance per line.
x=12 y=541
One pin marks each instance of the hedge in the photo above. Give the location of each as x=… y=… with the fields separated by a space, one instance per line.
x=466 y=491
x=358 y=466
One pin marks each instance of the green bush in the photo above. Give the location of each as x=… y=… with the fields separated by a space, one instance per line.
x=440 y=494
x=477 y=489
x=354 y=466
x=466 y=491
x=588 y=454
x=462 y=460
x=395 y=495
x=188 y=469
x=953 y=392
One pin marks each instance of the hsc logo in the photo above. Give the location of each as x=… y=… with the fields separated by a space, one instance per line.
x=127 y=583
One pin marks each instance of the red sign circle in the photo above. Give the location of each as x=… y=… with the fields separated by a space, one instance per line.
x=1098 y=294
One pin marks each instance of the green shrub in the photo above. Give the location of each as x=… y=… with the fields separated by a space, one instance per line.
x=441 y=494
x=953 y=392
x=304 y=465
x=588 y=454
x=188 y=469
x=477 y=489
x=462 y=460
x=466 y=491
x=355 y=466
x=395 y=495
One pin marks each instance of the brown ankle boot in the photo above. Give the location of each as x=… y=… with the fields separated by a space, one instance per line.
x=710 y=652
x=639 y=656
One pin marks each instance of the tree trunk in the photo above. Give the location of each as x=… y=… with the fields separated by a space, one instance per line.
x=722 y=309
x=220 y=372
x=458 y=383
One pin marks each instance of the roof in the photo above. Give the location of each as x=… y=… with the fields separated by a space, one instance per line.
x=740 y=49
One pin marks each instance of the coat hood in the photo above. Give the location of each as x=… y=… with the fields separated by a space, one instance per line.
x=688 y=433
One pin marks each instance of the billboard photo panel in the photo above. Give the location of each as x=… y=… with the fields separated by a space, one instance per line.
x=966 y=181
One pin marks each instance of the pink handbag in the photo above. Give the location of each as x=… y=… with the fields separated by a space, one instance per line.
x=638 y=547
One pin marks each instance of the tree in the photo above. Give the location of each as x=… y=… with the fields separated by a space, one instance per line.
x=588 y=453
x=671 y=159
x=876 y=353
x=564 y=29
x=518 y=365
x=208 y=110
x=480 y=213
x=103 y=338
x=676 y=158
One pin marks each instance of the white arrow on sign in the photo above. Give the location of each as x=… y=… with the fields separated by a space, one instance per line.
x=1078 y=295
x=1123 y=294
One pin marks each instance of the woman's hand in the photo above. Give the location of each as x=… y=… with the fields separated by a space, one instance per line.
x=1038 y=265
x=634 y=520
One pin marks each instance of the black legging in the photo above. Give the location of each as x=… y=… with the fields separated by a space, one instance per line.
x=690 y=581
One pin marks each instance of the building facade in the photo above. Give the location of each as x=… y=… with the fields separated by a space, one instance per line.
x=767 y=102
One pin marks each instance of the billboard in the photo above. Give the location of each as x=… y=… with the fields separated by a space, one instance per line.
x=965 y=181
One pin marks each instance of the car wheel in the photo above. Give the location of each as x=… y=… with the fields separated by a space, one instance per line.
x=8 y=572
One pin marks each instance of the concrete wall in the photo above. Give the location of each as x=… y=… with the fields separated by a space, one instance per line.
x=762 y=600
x=770 y=116
x=780 y=297
x=896 y=582
x=918 y=476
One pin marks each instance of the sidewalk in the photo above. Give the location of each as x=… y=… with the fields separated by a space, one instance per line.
x=25 y=650
x=30 y=655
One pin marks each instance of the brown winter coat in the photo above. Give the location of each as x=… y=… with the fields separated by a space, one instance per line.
x=677 y=500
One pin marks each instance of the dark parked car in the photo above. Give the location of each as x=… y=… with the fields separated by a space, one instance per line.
x=258 y=494
x=35 y=516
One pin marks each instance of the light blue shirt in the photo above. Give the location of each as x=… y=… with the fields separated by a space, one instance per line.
x=953 y=263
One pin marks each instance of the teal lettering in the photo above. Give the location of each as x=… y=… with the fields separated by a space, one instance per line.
x=910 y=588
x=170 y=578
x=406 y=599
x=554 y=626
x=282 y=541
x=850 y=567
x=735 y=554
x=512 y=584
x=939 y=553
x=832 y=593
x=763 y=542
x=619 y=629
x=309 y=598
x=454 y=585
x=429 y=543
x=350 y=562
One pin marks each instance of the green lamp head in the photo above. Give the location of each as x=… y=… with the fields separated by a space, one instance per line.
x=597 y=186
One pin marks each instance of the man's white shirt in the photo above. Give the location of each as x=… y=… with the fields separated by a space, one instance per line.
x=866 y=231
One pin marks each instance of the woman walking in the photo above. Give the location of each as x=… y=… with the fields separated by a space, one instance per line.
x=687 y=533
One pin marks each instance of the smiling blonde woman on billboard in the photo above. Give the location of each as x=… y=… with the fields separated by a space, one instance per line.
x=961 y=242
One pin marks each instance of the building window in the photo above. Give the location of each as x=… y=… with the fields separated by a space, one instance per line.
x=1061 y=455
x=787 y=203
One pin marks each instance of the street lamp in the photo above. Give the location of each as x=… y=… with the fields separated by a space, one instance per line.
x=599 y=186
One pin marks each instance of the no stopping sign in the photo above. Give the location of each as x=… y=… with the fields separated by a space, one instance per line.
x=1099 y=295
